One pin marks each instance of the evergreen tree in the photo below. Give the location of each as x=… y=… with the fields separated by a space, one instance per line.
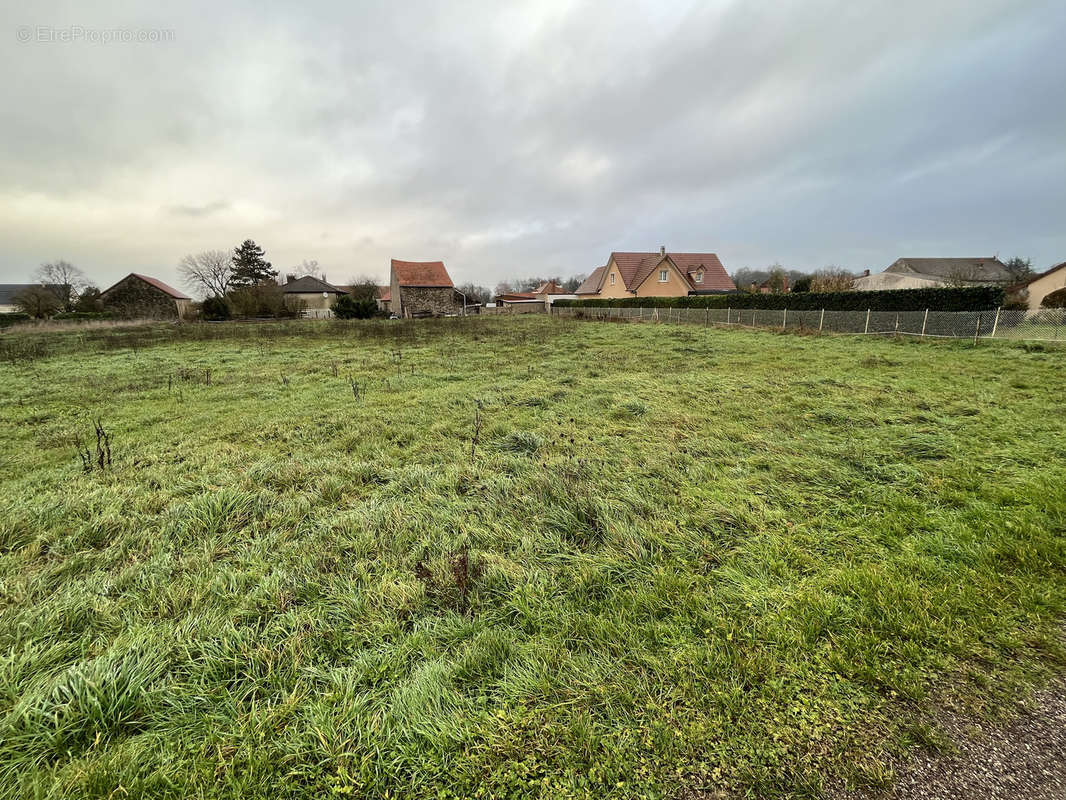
x=250 y=267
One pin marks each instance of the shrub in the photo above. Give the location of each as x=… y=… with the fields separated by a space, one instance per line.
x=972 y=298
x=11 y=317
x=347 y=307
x=215 y=308
x=1057 y=299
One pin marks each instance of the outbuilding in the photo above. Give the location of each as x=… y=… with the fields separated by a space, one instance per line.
x=423 y=289
x=142 y=297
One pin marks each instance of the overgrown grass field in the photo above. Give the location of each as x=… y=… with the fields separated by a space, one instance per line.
x=515 y=558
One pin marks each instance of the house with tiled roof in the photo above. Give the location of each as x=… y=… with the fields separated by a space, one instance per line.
x=659 y=274
x=143 y=297
x=423 y=289
x=1035 y=288
x=930 y=273
x=310 y=296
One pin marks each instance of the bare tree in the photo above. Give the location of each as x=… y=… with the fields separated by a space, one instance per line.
x=570 y=284
x=210 y=272
x=38 y=301
x=832 y=279
x=475 y=293
x=63 y=279
x=777 y=282
x=363 y=288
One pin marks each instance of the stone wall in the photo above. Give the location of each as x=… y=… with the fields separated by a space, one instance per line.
x=432 y=300
x=132 y=297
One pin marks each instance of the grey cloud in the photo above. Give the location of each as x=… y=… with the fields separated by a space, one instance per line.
x=535 y=137
x=199 y=211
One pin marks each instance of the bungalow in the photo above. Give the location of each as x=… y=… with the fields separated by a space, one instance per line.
x=139 y=296
x=537 y=300
x=310 y=296
x=929 y=273
x=659 y=274
x=423 y=289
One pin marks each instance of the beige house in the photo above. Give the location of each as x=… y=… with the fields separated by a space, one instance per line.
x=1040 y=286
x=659 y=274
x=311 y=296
x=931 y=273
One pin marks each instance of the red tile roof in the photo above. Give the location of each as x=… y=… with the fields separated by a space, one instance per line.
x=158 y=284
x=636 y=267
x=385 y=293
x=517 y=297
x=421 y=273
x=549 y=287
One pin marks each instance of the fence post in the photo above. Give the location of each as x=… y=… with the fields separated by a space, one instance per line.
x=897 y=324
x=754 y=313
x=728 y=310
x=925 y=320
x=784 y=319
x=995 y=325
x=708 y=316
x=977 y=330
x=867 y=328
x=821 y=319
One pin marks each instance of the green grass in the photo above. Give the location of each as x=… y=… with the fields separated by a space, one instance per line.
x=679 y=560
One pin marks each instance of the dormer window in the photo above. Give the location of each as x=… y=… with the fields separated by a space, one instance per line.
x=699 y=276
x=662 y=276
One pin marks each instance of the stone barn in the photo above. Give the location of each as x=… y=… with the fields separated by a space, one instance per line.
x=142 y=297
x=423 y=289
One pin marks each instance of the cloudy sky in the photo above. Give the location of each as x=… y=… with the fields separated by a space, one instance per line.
x=530 y=138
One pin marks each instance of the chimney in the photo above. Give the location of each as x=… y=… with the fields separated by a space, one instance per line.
x=289 y=278
x=662 y=250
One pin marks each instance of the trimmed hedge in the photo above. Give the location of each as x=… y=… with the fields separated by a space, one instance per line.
x=971 y=298
x=11 y=317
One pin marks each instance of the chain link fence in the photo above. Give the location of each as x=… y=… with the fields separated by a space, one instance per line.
x=1047 y=325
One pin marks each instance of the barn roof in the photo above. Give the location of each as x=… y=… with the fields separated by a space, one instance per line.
x=158 y=284
x=421 y=273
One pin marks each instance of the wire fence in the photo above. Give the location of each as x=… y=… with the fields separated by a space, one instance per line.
x=1047 y=325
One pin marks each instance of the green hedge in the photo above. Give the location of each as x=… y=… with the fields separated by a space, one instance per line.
x=11 y=317
x=972 y=298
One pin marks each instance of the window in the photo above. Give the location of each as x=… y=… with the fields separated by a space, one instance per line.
x=612 y=279
x=662 y=276
x=699 y=277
